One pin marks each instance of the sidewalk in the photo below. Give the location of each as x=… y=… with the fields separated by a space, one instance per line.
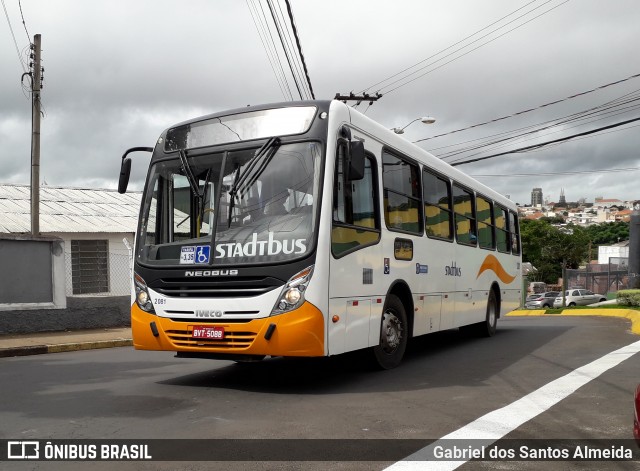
x=55 y=342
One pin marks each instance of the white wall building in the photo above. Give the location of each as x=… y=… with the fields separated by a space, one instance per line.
x=92 y=223
x=619 y=250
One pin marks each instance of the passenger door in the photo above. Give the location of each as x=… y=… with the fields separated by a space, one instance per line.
x=356 y=266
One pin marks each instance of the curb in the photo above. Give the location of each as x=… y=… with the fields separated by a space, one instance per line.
x=64 y=347
x=633 y=316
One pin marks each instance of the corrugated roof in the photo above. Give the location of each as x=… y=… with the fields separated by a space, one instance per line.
x=69 y=210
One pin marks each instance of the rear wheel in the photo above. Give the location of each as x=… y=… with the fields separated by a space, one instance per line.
x=487 y=328
x=572 y=304
x=393 y=334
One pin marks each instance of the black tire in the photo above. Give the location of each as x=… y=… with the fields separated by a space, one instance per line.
x=394 y=333
x=572 y=304
x=486 y=328
x=547 y=306
x=602 y=300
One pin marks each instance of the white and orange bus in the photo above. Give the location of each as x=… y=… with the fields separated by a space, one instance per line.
x=307 y=229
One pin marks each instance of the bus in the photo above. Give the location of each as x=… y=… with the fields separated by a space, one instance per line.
x=306 y=229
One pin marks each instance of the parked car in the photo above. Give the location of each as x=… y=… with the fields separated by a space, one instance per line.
x=636 y=416
x=579 y=297
x=537 y=287
x=541 y=300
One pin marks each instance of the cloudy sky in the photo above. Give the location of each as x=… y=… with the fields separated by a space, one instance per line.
x=119 y=72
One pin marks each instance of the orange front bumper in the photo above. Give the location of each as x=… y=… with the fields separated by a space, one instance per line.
x=297 y=333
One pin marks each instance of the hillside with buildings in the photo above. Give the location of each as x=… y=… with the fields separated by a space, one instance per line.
x=581 y=212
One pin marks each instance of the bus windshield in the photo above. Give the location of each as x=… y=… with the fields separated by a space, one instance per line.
x=268 y=218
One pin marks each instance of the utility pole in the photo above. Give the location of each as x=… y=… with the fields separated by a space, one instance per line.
x=634 y=246
x=35 y=136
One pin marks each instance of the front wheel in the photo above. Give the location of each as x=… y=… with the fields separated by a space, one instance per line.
x=572 y=304
x=393 y=334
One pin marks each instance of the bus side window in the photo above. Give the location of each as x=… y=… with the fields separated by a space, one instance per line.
x=437 y=206
x=402 y=194
x=515 y=233
x=355 y=217
x=502 y=229
x=463 y=207
x=486 y=235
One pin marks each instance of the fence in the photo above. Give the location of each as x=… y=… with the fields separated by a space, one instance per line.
x=108 y=275
x=602 y=278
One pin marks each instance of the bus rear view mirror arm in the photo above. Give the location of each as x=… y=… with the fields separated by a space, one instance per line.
x=125 y=167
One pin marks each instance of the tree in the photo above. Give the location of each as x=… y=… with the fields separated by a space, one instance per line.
x=550 y=249
x=608 y=232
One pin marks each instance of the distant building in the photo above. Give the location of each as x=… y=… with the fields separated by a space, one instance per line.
x=563 y=200
x=607 y=203
x=615 y=251
x=536 y=197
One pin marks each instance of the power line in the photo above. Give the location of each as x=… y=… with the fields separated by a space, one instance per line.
x=15 y=42
x=550 y=174
x=498 y=143
x=570 y=97
x=296 y=70
x=607 y=109
x=537 y=146
x=295 y=33
x=447 y=48
x=536 y=127
x=23 y=22
x=381 y=90
x=266 y=30
x=282 y=41
x=264 y=45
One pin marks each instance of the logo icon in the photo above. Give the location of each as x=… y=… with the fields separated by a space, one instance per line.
x=491 y=263
x=202 y=253
x=23 y=450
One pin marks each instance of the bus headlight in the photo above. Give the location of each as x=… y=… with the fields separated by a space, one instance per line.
x=292 y=295
x=142 y=294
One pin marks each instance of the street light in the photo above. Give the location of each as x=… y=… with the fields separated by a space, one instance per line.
x=424 y=119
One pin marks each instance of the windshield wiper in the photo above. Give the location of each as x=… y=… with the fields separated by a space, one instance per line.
x=195 y=188
x=193 y=183
x=254 y=168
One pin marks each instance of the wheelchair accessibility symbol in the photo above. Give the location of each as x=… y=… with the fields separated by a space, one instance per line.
x=202 y=253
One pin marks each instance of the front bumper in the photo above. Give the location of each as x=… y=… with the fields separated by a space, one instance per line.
x=297 y=333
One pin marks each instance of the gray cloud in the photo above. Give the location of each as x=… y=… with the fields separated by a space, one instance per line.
x=118 y=73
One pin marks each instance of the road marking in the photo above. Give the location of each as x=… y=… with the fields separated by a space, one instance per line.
x=491 y=427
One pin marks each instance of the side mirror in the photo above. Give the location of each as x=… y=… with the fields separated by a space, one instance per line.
x=125 y=171
x=125 y=167
x=355 y=159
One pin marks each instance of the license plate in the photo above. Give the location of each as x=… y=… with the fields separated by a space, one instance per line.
x=207 y=332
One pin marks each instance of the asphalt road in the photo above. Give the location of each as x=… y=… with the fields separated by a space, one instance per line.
x=446 y=381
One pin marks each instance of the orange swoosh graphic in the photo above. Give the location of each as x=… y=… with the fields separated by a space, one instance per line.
x=492 y=263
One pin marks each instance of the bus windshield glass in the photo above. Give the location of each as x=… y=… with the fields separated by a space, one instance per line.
x=268 y=218
x=240 y=127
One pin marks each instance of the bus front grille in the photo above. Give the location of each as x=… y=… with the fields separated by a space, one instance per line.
x=216 y=287
x=182 y=338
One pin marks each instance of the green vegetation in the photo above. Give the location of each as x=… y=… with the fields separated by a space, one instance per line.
x=550 y=248
x=608 y=233
x=629 y=297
